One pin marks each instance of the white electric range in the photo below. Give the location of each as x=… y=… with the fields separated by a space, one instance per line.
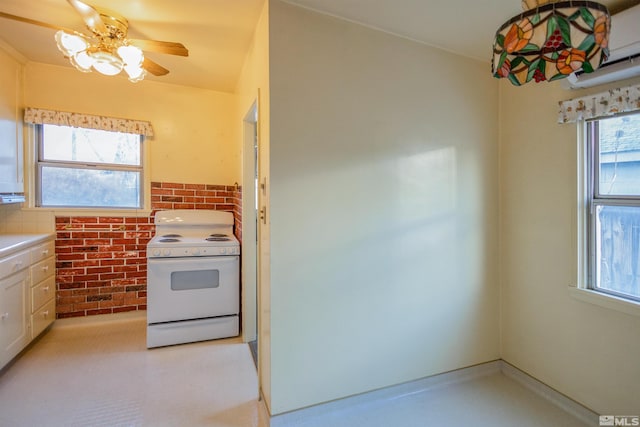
x=193 y=278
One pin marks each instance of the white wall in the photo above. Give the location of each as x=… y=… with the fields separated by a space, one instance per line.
x=253 y=85
x=383 y=209
x=195 y=140
x=587 y=352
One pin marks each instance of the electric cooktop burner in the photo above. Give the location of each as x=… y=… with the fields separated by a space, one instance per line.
x=217 y=239
x=218 y=235
x=169 y=240
x=171 y=235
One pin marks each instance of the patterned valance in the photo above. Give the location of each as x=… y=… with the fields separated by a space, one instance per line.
x=614 y=101
x=63 y=118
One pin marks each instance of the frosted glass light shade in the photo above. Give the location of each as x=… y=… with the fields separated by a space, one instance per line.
x=70 y=44
x=131 y=55
x=106 y=63
x=82 y=61
x=135 y=72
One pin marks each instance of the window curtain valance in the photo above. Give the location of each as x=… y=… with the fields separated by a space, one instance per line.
x=614 y=101
x=62 y=118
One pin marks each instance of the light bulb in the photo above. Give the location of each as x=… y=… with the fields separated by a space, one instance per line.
x=106 y=63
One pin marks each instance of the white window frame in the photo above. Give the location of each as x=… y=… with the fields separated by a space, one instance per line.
x=32 y=183
x=584 y=289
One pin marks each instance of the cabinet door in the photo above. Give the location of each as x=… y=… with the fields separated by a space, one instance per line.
x=14 y=317
x=11 y=147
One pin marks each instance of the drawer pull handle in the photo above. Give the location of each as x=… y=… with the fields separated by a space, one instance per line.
x=5 y=316
x=45 y=252
x=17 y=265
x=45 y=314
x=45 y=289
x=45 y=268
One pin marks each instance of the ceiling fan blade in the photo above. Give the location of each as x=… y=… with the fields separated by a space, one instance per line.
x=90 y=16
x=171 y=48
x=154 y=68
x=34 y=22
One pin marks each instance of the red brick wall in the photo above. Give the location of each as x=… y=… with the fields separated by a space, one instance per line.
x=170 y=195
x=101 y=264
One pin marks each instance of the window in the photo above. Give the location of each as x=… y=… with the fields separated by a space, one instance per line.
x=78 y=167
x=613 y=218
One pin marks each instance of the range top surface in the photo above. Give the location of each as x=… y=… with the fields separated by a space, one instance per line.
x=181 y=233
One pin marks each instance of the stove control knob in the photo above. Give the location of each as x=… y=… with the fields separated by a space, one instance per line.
x=223 y=251
x=195 y=251
x=156 y=252
x=166 y=252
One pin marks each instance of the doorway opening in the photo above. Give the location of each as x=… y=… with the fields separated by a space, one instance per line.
x=250 y=230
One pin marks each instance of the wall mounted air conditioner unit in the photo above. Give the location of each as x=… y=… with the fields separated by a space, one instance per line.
x=624 y=53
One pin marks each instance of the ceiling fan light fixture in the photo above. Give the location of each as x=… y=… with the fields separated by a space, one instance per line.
x=106 y=63
x=551 y=40
x=70 y=44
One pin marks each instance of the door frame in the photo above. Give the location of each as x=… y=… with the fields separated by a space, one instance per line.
x=250 y=142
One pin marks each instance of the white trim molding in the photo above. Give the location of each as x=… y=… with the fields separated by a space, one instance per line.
x=605 y=300
x=541 y=389
x=299 y=417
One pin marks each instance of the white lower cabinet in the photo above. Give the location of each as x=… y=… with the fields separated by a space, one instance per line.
x=43 y=288
x=27 y=297
x=14 y=315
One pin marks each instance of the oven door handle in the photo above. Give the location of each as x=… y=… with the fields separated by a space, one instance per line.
x=192 y=263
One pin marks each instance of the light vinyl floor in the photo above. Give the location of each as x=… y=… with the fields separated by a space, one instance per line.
x=103 y=375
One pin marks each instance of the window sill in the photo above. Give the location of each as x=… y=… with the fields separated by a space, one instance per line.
x=606 y=301
x=134 y=213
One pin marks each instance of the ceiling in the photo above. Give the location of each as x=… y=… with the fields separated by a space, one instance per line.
x=218 y=32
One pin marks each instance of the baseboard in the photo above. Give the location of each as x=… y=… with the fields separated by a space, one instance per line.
x=299 y=416
x=541 y=389
x=263 y=410
x=99 y=319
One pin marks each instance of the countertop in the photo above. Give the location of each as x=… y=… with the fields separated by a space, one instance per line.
x=10 y=243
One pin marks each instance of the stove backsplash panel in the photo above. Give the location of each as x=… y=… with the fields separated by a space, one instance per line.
x=101 y=264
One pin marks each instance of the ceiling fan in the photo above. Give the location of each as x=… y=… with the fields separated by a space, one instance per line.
x=107 y=50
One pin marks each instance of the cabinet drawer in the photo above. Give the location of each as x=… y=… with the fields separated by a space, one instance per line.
x=42 y=251
x=43 y=318
x=13 y=264
x=42 y=270
x=42 y=293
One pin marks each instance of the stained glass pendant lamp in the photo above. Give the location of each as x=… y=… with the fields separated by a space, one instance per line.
x=551 y=40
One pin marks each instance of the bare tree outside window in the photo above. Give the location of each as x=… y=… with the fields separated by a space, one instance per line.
x=89 y=168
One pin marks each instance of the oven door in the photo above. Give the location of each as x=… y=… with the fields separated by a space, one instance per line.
x=192 y=288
